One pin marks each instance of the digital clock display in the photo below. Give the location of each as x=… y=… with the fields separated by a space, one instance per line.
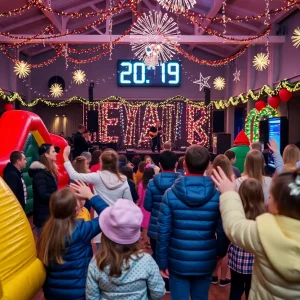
x=136 y=73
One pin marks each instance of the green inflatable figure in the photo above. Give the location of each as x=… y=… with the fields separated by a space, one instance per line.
x=241 y=148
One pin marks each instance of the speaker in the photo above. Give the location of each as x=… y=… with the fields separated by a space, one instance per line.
x=92 y=121
x=91 y=91
x=218 y=121
x=264 y=133
x=206 y=96
x=221 y=142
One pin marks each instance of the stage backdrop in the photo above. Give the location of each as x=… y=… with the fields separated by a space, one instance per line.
x=127 y=124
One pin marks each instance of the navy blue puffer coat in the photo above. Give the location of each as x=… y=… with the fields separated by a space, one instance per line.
x=154 y=193
x=190 y=232
x=68 y=281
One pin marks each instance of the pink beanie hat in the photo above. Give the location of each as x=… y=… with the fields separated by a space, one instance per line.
x=121 y=222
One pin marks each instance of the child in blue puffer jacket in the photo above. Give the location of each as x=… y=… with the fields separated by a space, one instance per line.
x=65 y=243
x=190 y=234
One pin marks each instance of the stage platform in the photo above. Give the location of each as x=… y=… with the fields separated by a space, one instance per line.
x=143 y=153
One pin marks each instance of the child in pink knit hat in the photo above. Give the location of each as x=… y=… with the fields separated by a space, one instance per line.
x=120 y=270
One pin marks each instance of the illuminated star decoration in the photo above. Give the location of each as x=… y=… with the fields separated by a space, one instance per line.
x=79 y=77
x=261 y=61
x=237 y=75
x=296 y=37
x=177 y=5
x=219 y=83
x=163 y=33
x=203 y=82
x=22 y=69
x=56 y=90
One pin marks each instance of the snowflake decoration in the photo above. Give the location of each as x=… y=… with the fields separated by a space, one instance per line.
x=177 y=5
x=296 y=37
x=56 y=90
x=261 y=61
x=22 y=69
x=79 y=77
x=219 y=83
x=203 y=82
x=237 y=75
x=155 y=26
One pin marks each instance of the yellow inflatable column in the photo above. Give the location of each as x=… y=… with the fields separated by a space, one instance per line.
x=21 y=274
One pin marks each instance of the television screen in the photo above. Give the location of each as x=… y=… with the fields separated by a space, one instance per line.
x=274 y=133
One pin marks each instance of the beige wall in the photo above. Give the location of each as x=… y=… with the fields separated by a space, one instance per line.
x=60 y=119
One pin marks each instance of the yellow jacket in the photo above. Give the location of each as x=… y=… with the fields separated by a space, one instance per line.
x=275 y=241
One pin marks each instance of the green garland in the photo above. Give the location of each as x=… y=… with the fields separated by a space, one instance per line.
x=252 y=121
x=220 y=104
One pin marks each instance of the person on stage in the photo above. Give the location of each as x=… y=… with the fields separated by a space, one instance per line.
x=155 y=133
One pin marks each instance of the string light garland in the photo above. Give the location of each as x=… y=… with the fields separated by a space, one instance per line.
x=22 y=69
x=219 y=104
x=261 y=61
x=296 y=37
x=56 y=90
x=265 y=90
x=212 y=63
x=252 y=121
x=219 y=83
x=79 y=76
x=154 y=24
x=177 y=6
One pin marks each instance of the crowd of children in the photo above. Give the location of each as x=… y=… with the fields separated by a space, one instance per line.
x=192 y=214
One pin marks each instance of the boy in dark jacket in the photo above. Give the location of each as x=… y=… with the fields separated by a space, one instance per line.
x=190 y=234
x=12 y=175
x=154 y=193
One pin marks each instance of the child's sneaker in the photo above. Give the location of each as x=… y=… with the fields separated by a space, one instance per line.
x=225 y=282
x=215 y=280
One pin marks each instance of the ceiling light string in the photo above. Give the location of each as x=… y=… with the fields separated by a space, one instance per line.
x=110 y=32
x=224 y=16
x=267 y=23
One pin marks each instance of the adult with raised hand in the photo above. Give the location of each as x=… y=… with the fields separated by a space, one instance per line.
x=290 y=159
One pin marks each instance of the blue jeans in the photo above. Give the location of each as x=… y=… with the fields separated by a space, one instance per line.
x=182 y=287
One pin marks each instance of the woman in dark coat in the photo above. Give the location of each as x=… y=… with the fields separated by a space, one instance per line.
x=44 y=183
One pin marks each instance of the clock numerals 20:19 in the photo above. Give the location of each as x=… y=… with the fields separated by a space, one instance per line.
x=170 y=69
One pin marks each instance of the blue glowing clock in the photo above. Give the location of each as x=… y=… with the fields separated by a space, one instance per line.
x=136 y=73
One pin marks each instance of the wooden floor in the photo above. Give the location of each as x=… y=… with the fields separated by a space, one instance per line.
x=215 y=293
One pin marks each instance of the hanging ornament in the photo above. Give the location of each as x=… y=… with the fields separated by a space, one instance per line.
x=260 y=104
x=261 y=61
x=237 y=75
x=8 y=107
x=296 y=37
x=177 y=6
x=22 y=69
x=79 y=76
x=56 y=90
x=274 y=101
x=285 y=95
x=157 y=25
x=219 y=83
x=203 y=82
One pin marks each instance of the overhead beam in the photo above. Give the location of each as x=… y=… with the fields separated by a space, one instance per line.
x=184 y=39
x=23 y=23
x=53 y=18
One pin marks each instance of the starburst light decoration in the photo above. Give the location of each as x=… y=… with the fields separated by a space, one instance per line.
x=261 y=61
x=219 y=83
x=237 y=75
x=153 y=36
x=177 y=5
x=79 y=76
x=296 y=37
x=56 y=90
x=22 y=69
x=203 y=82
x=151 y=61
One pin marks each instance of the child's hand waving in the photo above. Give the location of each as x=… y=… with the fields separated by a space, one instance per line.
x=223 y=183
x=81 y=190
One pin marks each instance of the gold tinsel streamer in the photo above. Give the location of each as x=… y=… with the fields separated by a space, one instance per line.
x=220 y=104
